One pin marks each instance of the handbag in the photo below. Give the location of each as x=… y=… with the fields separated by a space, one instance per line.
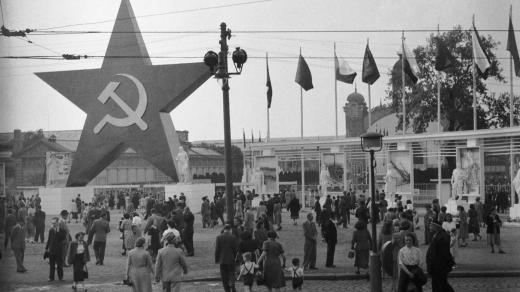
x=351 y=254
x=85 y=272
x=260 y=279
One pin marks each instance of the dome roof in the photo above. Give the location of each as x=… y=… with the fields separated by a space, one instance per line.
x=356 y=97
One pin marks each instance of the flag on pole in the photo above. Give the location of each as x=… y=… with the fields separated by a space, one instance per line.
x=511 y=46
x=480 y=57
x=370 y=73
x=410 y=64
x=303 y=74
x=268 y=84
x=444 y=60
x=344 y=72
x=244 y=138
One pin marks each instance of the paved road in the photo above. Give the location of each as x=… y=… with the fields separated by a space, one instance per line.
x=506 y=284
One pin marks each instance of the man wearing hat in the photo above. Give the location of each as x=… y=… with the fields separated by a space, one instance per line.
x=439 y=261
x=170 y=265
x=57 y=237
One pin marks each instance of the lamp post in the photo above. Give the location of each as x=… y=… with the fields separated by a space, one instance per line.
x=373 y=142
x=219 y=62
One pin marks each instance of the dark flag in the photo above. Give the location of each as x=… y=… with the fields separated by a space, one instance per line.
x=268 y=84
x=511 y=46
x=480 y=57
x=444 y=60
x=344 y=72
x=370 y=73
x=252 y=137
x=303 y=74
x=411 y=69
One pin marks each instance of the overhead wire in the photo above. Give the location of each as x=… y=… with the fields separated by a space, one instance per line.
x=162 y=13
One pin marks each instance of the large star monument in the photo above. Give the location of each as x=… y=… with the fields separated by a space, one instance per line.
x=127 y=102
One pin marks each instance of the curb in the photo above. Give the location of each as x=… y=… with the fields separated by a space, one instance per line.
x=341 y=277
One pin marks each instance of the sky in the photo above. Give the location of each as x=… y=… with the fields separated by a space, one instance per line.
x=28 y=103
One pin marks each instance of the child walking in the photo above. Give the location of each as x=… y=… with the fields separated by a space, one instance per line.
x=247 y=272
x=454 y=246
x=296 y=274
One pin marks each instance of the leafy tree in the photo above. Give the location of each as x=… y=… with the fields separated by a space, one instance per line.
x=456 y=86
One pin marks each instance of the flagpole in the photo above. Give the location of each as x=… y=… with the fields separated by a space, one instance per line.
x=301 y=137
x=369 y=107
x=268 y=105
x=403 y=80
x=438 y=92
x=335 y=91
x=474 y=84
x=511 y=96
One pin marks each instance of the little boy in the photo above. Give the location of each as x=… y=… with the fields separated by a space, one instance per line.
x=296 y=274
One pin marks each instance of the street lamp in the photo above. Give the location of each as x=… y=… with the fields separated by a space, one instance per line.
x=373 y=142
x=217 y=64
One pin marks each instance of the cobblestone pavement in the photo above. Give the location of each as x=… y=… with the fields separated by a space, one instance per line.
x=510 y=284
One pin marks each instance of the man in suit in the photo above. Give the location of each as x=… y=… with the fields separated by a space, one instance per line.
x=99 y=231
x=188 y=232
x=225 y=252
x=39 y=223
x=54 y=247
x=10 y=222
x=170 y=265
x=330 y=235
x=18 y=244
x=309 y=248
x=439 y=261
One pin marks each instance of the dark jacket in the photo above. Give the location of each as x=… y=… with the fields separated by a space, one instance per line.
x=10 y=222
x=39 y=218
x=330 y=232
x=55 y=241
x=99 y=230
x=493 y=223
x=188 y=223
x=72 y=252
x=226 y=249
x=438 y=257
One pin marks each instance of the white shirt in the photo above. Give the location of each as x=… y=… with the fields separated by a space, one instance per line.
x=449 y=226
x=409 y=256
x=137 y=221
x=175 y=232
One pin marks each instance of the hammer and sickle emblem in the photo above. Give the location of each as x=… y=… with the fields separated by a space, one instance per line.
x=133 y=117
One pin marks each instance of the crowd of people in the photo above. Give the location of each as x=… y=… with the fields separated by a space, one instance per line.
x=157 y=236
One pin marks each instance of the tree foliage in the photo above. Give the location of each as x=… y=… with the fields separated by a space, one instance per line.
x=456 y=86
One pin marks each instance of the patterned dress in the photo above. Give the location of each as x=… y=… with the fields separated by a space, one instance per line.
x=273 y=273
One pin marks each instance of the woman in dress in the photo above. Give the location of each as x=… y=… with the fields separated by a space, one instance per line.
x=463 y=226
x=294 y=207
x=272 y=251
x=409 y=259
x=361 y=243
x=78 y=258
x=139 y=267
x=474 y=226
x=128 y=237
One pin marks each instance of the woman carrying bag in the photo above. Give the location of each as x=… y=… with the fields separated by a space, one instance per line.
x=78 y=258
